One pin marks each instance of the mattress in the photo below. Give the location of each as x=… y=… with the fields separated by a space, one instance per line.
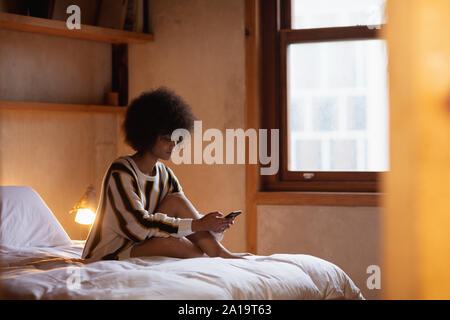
x=59 y=273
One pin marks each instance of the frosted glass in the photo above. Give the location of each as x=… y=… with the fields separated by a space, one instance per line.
x=308 y=14
x=338 y=110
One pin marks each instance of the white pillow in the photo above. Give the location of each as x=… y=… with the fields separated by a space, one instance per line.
x=26 y=221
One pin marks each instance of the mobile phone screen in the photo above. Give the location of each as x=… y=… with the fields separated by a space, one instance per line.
x=233 y=214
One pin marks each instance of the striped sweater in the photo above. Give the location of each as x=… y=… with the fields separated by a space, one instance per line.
x=126 y=212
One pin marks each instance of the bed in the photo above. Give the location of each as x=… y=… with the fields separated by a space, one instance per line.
x=39 y=261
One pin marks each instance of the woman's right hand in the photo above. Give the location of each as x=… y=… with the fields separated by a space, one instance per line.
x=213 y=221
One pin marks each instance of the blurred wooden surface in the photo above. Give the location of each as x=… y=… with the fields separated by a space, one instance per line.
x=416 y=223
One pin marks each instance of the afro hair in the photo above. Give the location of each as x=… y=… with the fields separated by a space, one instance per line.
x=154 y=113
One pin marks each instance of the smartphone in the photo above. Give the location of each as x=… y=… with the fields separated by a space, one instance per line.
x=233 y=214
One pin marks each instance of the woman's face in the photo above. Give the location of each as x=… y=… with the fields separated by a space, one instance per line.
x=163 y=147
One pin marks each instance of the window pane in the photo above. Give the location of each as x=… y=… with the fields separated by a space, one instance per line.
x=325 y=113
x=338 y=111
x=343 y=155
x=308 y=14
x=308 y=154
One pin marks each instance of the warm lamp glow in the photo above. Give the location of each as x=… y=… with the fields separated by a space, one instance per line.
x=85 y=216
x=83 y=208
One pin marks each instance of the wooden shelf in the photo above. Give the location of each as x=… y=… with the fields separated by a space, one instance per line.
x=44 y=106
x=58 y=28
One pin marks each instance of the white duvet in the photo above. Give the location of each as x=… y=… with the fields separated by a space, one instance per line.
x=34 y=273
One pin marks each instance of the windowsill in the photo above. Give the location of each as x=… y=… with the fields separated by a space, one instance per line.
x=350 y=199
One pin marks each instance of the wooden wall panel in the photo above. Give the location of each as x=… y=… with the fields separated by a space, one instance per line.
x=43 y=68
x=58 y=154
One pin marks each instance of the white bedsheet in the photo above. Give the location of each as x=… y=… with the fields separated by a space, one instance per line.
x=279 y=276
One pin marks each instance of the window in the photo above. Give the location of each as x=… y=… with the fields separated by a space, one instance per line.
x=308 y=14
x=325 y=88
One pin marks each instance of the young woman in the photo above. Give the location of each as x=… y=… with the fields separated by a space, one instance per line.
x=143 y=210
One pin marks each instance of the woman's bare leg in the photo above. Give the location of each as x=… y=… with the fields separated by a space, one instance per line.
x=177 y=205
x=168 y=247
